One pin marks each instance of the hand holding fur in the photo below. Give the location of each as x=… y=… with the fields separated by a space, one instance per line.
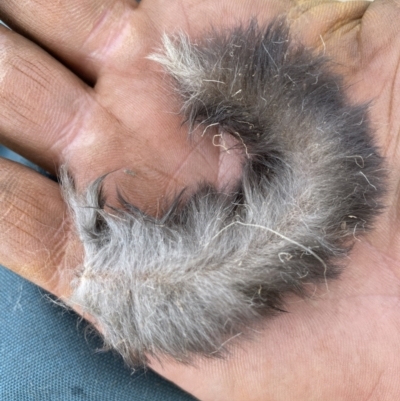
x=311 y=182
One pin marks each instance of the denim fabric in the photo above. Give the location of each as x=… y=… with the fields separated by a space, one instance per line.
x=45 y=355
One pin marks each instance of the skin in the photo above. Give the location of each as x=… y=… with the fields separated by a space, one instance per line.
x=103 y=107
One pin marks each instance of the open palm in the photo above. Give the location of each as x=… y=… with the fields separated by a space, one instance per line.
x=103 y=107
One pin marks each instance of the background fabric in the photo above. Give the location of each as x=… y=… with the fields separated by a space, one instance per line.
x=46 y=356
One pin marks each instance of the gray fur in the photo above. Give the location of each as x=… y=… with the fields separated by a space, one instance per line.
x=186 y=283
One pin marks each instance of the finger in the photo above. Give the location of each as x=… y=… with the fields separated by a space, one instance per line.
x=34 y=228
x=78 y=32
x=41 y=102
x=195 y=16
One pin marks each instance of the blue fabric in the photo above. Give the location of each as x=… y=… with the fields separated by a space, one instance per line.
x=45 y=355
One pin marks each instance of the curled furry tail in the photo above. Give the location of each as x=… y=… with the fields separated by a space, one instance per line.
x=312 y=179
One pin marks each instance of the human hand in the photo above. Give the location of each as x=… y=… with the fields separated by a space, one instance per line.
x=62 y=120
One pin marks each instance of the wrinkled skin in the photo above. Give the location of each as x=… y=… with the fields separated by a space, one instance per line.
x=103 y=107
